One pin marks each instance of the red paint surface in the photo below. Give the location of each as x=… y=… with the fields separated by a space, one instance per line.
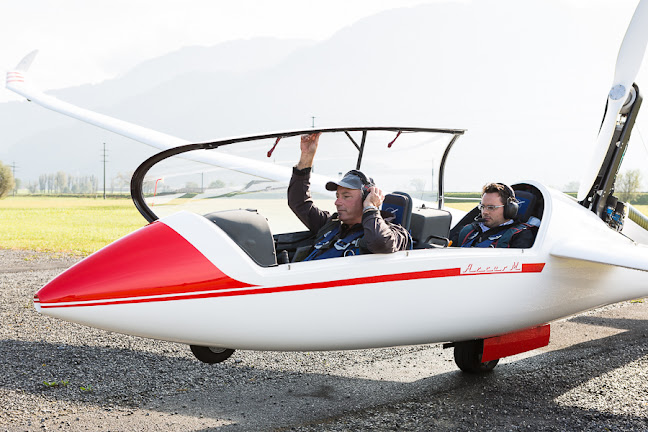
x=154 y=260
x=515 y=343
x=532 y=267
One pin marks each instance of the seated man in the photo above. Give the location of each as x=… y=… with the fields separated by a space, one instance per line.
x=497 y=226
x=357 y=227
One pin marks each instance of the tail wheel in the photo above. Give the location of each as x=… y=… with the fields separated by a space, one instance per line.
x=468 y=355
x=211 y=355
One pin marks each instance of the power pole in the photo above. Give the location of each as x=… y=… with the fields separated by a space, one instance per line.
x=104 y=170
x=13 y=171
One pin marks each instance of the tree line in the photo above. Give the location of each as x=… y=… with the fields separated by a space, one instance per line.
x=65 y=183
x=627 y=184
x=62 y=182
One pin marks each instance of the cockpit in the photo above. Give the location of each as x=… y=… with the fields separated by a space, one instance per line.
x=240 y=185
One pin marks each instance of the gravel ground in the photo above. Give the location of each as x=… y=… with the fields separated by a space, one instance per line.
x=62 y=376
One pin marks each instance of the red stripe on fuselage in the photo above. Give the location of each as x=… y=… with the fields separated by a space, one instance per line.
x=251 y=289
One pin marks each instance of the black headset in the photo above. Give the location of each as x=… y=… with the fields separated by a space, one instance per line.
x=367 y=182
x=511 y=205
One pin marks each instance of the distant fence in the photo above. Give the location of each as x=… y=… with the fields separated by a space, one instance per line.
x=640 y=199
x=454 y=197
x=73 y=195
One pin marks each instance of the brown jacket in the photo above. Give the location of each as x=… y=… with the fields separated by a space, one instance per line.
x=380 y=235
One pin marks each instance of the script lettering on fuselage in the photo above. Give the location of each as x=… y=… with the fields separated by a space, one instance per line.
x=514 y=267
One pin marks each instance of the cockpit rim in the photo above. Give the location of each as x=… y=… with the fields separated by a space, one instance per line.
x=138 y=176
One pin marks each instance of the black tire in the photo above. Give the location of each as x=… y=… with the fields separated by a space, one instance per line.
x=468 y=355
x=211 y=355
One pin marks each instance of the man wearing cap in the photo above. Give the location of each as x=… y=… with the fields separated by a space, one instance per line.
x=357 y=227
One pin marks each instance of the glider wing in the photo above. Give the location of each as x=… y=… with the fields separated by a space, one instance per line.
x=623 y=254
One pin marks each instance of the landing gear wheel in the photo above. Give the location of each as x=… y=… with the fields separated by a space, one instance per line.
x=468 y=355
x=211 y=355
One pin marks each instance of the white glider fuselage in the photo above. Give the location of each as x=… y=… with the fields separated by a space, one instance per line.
x=409 y=297
x=183 y=278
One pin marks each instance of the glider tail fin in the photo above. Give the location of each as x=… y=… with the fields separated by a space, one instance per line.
x=16 y=78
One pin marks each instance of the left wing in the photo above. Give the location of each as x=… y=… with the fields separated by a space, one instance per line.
x=18 y=82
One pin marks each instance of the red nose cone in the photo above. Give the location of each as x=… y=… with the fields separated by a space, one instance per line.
x=152 y=261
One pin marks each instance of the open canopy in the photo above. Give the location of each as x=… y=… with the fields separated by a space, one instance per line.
x=254 y=171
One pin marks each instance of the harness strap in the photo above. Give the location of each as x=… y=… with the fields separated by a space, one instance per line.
x=328 y=247
x=503 y=235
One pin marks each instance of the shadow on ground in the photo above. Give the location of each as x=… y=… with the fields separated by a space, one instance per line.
x=250 y=397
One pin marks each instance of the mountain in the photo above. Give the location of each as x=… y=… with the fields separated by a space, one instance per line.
x=529 y=84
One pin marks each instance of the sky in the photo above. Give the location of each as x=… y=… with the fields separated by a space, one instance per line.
x=82 y=41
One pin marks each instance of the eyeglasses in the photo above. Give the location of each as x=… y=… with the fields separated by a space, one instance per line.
x=488 y=207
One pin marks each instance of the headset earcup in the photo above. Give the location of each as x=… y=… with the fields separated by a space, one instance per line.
x=367 y=182
x=511 y=210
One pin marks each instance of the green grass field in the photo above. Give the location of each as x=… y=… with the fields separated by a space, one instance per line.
x=642 y=208
x=77 y=226
x=80 y=226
